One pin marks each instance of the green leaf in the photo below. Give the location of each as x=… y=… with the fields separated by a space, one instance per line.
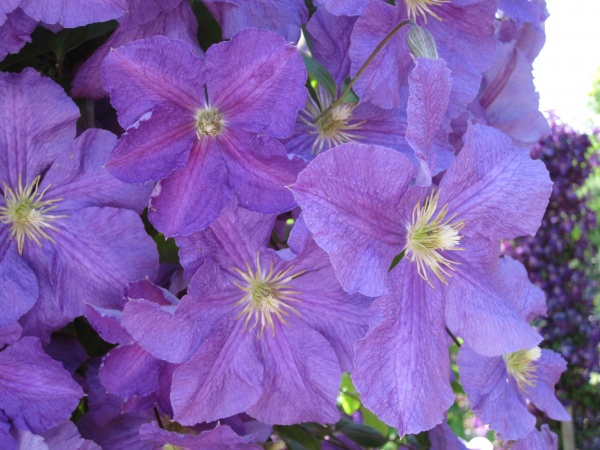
x=298 y=438
x=371 y=420
x=350 y=96
x=348 y=398
x=397 y=260
x=319 y=73
x=70 y=38
x=361 y=434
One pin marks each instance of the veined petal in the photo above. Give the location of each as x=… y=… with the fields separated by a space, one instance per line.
x=257 y=81
x=18 y=286
x=145 y=74
x=548 y=371
x=74 y=13
x=403 y=365
x=15 y=32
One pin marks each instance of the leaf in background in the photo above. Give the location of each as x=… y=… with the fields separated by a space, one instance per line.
x=319 y=73
x=361 y=434
x=348 y=398
x=371 y=420
x=298 y=438
x=350 y=96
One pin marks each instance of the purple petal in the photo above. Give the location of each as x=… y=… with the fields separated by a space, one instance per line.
x=224 y=378
x=174 y=19
x=538 y=440
x=349 y=216
x=495 y=187
x=66 y=435
x=259 y=171
x=221 y=437
x=100 y=251
x=129 y=370
x=402 y=365
x=107 y=323
x=494 y=396
x=38 y=393
x=79 y=178
x=18 y=287
x=10 y=334
x=68 y=350
x=191 y=198
x=154 y=147
x=257 y=81
x=302 y=377
x=74 y=13
x=344 y=7
x=6 y=7
x=143 y=75
x=443 y=438
x=429 y=87
x=38 y=124
x=549 y=367
x=284 y=17
x=15 y=32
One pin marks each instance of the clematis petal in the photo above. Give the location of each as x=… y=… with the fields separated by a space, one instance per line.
x=145 y=74
x=344 y=7
x=18 y=287
x=549 y=367
x=543 y=439
x=257 y=81
x=15 y=32
x=348 y=220
x=74 y=13
x=402 y=365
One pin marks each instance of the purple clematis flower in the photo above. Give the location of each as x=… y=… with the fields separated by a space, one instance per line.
x=144 y=19
x=204 y=127
x=63 y=240
x=464 y=37
x=259 y=330
x=544 y=439
x=284 y=17
x=499 y=386
x=36 y=393
x=361 y=208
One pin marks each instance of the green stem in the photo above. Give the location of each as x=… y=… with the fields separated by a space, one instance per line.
x=369 y=60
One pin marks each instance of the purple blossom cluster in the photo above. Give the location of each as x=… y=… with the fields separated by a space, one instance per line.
x=394 y=150
x=557 y=261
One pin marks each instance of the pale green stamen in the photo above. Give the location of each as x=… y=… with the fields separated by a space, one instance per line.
x=422 y=8
x=209 y=122
x=428 y=236
x=27 y=213
x=266 y=296
x=520 y=365
x=332 y=127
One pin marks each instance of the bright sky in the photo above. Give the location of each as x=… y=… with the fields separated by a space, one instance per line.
x=569 y=62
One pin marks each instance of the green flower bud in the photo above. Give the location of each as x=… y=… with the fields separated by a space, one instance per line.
x=421 y=43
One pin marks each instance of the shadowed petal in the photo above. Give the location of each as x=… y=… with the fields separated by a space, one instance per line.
x=549 y=367
x=74 y=13
x=18 y=287
x=15 y=32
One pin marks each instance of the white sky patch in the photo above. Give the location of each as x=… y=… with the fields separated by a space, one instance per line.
x=568 y=64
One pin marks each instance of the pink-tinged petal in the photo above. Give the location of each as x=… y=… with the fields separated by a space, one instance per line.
x=38 y=124
x=244 y=232
x=145 y=74
x=15 y=32
x=74 y=13
x=224 y=378
x=549 y=368
x=257 y=81
x=429 y=86
x=221 y=437
x=80 y=179
x=344 y=7
x=302 y=377
x=285 y=17
x=477 y=311
x=494 y=396
x=154 y=147
x=99 y=252
x=174 y=19
x=330 y=35
x=37 y=393
x=538 y=440
x=402 y=365
x=521 y=293
x=259 y=171
x=191 y=198
x=349 y=196
x=18 y=287
x=129 y=370
x=495 y=187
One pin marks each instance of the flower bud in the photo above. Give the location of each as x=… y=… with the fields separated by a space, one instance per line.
x=421 y=43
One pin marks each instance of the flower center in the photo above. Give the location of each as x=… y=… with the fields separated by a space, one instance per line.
x=266 y=296
x=520 y=366
x=27 y=213
x=428 y=236
x=422 y=8
x=209 y=122
x=332 y=128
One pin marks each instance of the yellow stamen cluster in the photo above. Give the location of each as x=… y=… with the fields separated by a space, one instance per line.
x=266 y=296
x=209 y=122
x=520 y=366
x=27 y=213
x=332 y=128
x=422 y=8
x=427 y=236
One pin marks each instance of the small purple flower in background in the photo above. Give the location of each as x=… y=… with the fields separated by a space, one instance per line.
x=62 y=216
x=204 y=152
x=258 y=331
